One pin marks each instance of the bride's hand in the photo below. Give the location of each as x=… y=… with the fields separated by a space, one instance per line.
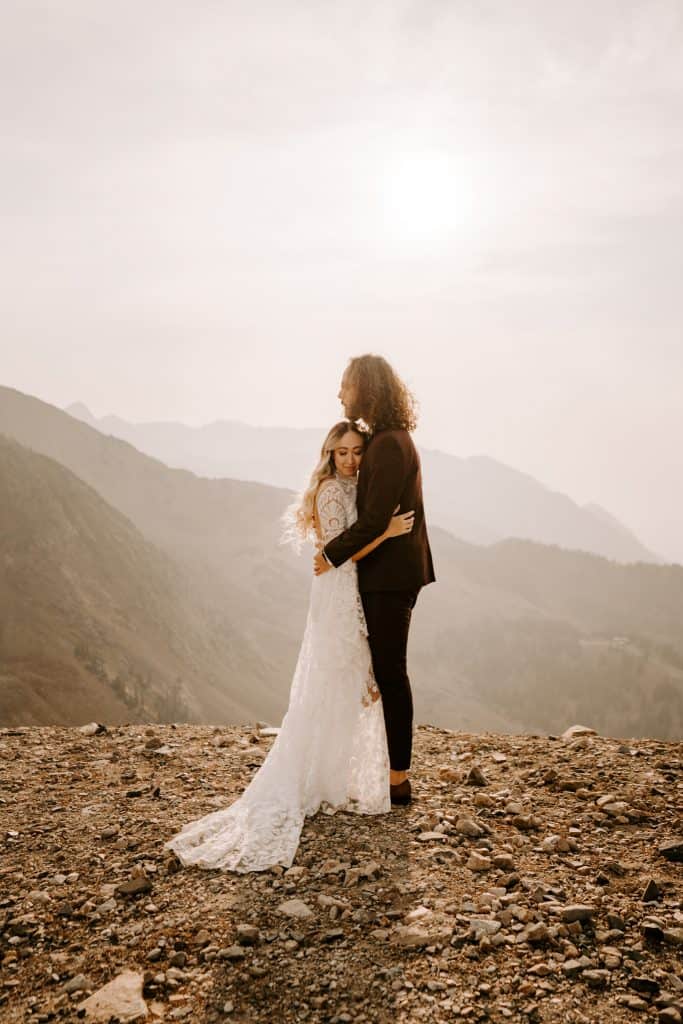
x=371 y=695
x=320 y=565
x=399 y=525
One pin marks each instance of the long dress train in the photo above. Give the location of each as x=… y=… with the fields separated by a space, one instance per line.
x=331 y=752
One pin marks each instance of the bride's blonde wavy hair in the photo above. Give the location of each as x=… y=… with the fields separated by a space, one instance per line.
x=299 y=518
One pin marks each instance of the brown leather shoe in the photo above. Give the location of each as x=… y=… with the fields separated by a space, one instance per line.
x=400 y=794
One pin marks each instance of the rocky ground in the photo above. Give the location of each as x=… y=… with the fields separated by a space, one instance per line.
x=532 y=879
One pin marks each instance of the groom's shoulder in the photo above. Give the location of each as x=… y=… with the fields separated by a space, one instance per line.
x=394 y=439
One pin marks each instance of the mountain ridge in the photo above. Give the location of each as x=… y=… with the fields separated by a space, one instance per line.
x=478 y=498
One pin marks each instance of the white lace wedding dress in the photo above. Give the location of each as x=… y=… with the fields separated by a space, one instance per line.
x=331 y=752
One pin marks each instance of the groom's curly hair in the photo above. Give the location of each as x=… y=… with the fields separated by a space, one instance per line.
x=383 y=400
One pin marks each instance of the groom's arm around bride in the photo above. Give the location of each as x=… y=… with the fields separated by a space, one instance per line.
x=389 y=476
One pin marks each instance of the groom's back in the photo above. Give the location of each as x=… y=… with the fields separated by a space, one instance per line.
x=401 y=563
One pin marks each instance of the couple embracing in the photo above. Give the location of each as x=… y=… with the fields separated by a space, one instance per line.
x=345 y=742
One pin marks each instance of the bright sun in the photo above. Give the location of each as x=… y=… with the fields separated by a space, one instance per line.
x=424 y=197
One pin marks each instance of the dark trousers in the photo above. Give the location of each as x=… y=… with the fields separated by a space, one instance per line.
x=387 y=613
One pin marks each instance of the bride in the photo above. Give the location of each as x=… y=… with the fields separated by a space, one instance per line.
x=331 y=750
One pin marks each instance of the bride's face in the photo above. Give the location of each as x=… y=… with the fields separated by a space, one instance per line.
x=348 y=452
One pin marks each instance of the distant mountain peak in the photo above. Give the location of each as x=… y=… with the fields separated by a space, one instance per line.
x=80 y=411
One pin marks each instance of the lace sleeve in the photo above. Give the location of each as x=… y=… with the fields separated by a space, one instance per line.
x=330 y=510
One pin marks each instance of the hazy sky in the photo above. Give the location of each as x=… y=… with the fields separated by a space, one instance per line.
x=208 y=206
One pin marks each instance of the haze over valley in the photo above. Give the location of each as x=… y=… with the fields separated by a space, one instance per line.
x=151 y=593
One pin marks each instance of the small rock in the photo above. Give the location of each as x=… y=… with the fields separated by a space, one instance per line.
x=596 y=978
x=248 y=935
x=77 y=984
x=537 y=933
x=295 y=873
x=477 y=862
x=135 y=885
x=572 y=967
x=526 y=822
x=476 y=777
x=556 y=844
x=231 y=953
x=40 y=896
x=504 y=862
x=652 y=892
x=468 y=827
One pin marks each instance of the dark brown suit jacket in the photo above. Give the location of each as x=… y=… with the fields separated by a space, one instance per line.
x=389 y=475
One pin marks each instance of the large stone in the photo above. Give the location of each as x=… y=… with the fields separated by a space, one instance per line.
x=669 y=1015
x=120 y=998
x=468 y=827
x=633 y=1003
x=423 y=927
x=477 y=862
x=483 y=926
x=646 y=986
x=295 y=908
x=427 y=837
x=577 y=912
x=575 y=731
x=616 y=809
x=92 y=729
x=426 y=934
x=537 y=933
x=672 y=850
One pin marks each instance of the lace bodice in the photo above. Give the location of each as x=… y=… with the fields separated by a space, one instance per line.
x=335 y=506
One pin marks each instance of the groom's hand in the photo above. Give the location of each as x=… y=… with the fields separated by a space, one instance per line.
x=320 y=565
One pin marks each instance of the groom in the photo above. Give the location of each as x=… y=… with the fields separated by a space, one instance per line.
x=391 y=576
